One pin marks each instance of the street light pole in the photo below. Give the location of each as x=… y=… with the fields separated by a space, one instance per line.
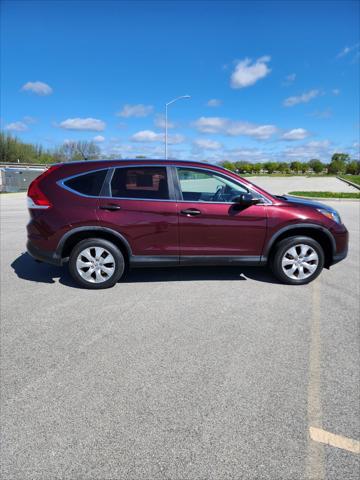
x=166 y=121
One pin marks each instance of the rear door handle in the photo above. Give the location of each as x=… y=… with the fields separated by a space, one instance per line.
x=191 y=212
x=110 y=206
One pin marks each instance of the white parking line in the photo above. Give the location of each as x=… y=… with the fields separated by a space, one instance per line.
x=338 y=441
x=315 y=458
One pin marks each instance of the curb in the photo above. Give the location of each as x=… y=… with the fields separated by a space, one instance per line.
x=355 y=185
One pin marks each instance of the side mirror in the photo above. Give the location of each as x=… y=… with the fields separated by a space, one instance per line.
x=246 y=199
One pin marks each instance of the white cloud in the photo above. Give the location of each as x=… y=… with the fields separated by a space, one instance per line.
x=148 y=150
x=160 y=122
x=289 y=79
x=22 y=125
x=150 y=136
x=346 y=50
x=319 y=144
x=16 y=127
x=207 y=144
x=247 y=73
x=261 y=132
x=139 y=110
x=40 y=88
x=233 y=128
x=147 y=136
x=214 y=102
x=29 y=120
x=90 y=124
x=303 y=98
x=175 y=139
x=295 y=134
x=335 y=91
x=315 y=149
x=322 y=113
x=99 y=138
x=211 y=124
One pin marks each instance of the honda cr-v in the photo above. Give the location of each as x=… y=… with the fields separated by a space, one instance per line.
x=103 y=217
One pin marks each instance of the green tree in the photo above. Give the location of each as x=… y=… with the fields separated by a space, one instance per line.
x=271 y=167
x=13 y=150
x=316 y=165
x=256 y=168
x=341 y=157
x=78 y=150
x=228 y=165
x=336 y=167
x=353 y=167
x=296 y=166
x=283 y=167
x=243 y=167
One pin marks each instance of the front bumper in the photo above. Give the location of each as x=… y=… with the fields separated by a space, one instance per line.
x=341 y=236
x=42 y=255
x=339 y=256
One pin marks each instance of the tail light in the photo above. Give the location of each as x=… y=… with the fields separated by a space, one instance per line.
x=36 y=197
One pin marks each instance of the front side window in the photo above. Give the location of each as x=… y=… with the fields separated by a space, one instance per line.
x=140 y=182
x=87 y=184
x=204 y=186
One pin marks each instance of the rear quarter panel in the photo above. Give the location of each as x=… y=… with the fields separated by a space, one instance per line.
x=68 y=210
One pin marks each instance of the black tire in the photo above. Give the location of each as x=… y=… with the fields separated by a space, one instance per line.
x=91 y=243
x=283 y=246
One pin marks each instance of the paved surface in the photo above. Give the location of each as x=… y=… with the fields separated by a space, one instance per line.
x=280 y=185
x=201 y=374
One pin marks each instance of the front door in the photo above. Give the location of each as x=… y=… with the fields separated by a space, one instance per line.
x=211 y=224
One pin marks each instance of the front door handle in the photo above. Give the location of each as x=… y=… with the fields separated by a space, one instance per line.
x=110 y=206
x=191 y=212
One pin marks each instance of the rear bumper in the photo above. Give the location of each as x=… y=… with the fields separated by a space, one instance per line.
x=43 y=255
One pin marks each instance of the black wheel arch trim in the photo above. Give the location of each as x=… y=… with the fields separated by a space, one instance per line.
x=294 y=227
x=92 y=228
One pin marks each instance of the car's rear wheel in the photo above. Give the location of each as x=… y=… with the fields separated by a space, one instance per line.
x=96 y=263
x=297 y=260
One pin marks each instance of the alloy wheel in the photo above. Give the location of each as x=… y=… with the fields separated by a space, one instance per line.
x=95 y=264
x=300 y=261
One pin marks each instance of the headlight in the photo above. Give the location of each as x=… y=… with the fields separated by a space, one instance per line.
x=333 y=215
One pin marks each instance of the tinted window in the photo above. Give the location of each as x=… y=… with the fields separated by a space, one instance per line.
x=88 y=184
x=140 y=182
x=205 y=186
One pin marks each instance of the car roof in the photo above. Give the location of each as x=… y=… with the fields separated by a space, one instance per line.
x=140 y=161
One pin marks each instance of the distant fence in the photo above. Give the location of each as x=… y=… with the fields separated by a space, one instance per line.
x=17 y=178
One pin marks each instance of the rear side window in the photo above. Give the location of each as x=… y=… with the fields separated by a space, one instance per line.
x=88 y=184
x=140 y=182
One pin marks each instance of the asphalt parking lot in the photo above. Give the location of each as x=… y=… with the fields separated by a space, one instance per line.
x=280 y=185
x=177 y=374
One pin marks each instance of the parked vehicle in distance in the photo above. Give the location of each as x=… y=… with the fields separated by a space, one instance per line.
x=105 y=216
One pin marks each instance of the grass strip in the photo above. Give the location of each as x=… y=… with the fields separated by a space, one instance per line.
x=352 y=178
x=327 y=194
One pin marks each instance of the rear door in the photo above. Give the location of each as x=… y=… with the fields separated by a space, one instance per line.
x=210 y=223
x=140 y=206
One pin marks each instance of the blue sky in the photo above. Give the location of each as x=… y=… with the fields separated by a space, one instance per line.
x=268 y=80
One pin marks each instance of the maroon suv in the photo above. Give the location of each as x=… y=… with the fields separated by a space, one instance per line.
x=105 y=216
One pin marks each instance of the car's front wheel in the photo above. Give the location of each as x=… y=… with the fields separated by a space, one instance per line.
x=297 y=260
x=96 y=263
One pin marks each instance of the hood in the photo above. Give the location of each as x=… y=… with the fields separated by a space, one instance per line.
x=306 y=203
x=303 y=201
